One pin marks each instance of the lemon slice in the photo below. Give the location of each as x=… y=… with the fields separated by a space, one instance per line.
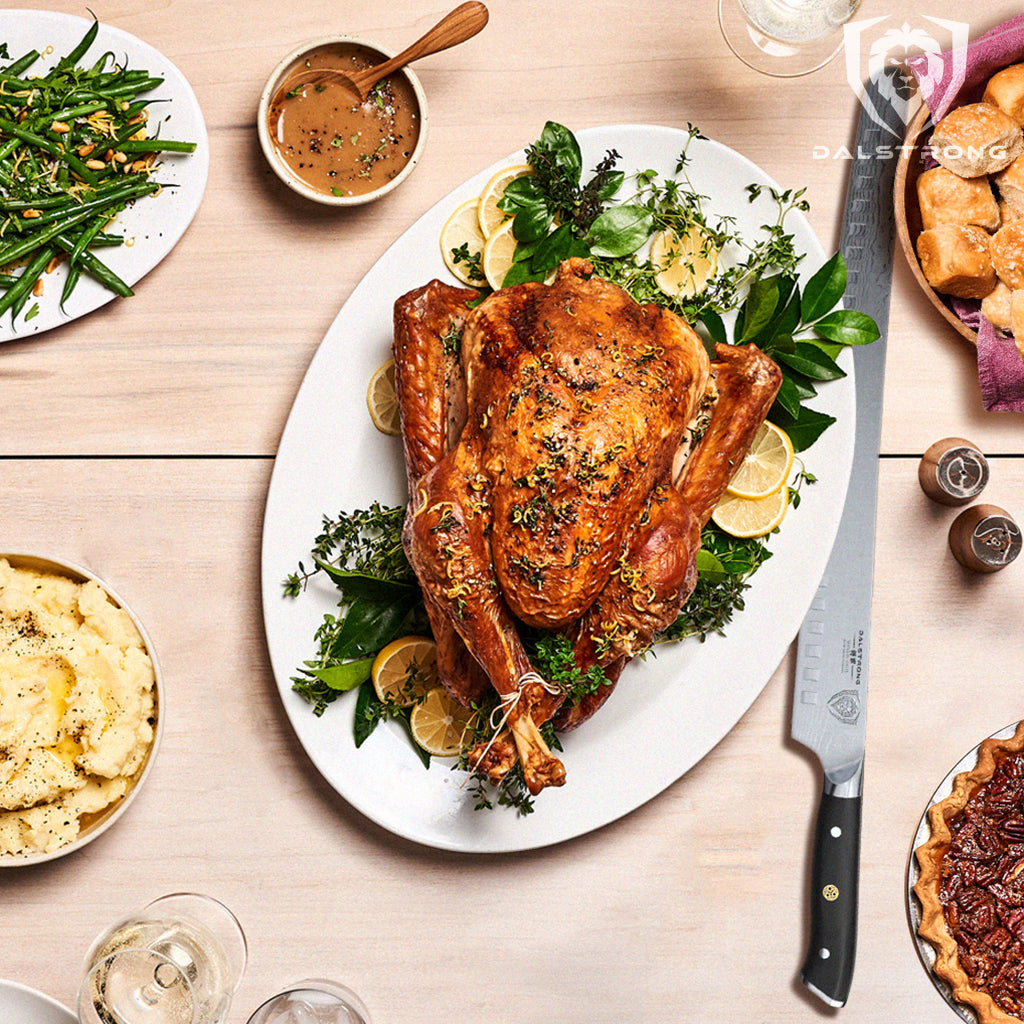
x=751 y=517
x=463 y=229
x=439 y=723
x=767 y=465
x=684 y=263
x=405 y=670
x=499 y=250
x=489 y=216
x=382 y=401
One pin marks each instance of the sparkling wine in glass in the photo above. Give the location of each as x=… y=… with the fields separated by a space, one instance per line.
x=176 y=961
x=785 y=38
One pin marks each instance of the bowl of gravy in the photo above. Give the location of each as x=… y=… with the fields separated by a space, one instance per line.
x=327 y=144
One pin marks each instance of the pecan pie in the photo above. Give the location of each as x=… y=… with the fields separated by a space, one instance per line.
x=971 y=884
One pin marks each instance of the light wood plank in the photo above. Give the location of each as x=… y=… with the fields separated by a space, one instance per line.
x=637 y=919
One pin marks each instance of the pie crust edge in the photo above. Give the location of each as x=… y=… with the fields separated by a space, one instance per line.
x=929 y=858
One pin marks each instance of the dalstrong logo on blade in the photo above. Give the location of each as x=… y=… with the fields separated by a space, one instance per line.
x=845 y=705
x=892 y=48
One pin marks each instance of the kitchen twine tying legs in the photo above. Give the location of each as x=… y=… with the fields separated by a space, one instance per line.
x=508 y=703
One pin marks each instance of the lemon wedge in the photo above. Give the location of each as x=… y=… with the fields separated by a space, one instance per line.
x=405 y=670
x=499 y=251
x=382 y=400
x=463 y=229
x=684 y=263
x=440 y=724
x=767 y=465
x=751 y=517
x=489 y=216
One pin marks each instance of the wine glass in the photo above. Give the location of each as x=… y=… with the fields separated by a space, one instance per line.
x=785 y=38
x=178 y=960
x=312 y=1001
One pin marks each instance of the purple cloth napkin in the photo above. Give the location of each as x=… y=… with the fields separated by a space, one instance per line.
x=948 y=80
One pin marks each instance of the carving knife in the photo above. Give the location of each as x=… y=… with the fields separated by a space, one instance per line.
x=830 y=685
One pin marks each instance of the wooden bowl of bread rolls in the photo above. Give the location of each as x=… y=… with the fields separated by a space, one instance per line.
x=959 y=201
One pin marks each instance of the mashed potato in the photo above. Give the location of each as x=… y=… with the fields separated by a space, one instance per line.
x=76 y=707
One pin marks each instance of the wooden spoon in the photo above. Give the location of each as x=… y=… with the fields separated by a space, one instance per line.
x=456 y=27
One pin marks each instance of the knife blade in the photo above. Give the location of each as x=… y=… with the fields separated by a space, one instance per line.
x=830 y=683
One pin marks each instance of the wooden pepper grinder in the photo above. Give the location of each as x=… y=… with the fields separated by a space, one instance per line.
x=983 y=538
x=953 y=471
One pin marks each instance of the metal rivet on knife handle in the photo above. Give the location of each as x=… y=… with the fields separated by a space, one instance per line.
x=983 y=538
x=953 y=471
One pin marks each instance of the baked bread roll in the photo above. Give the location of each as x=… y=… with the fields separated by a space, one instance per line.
x=955 y=259
x=1017 y=320
x=977 y=139
x=1007 y=249
x=1008 y=213
x=995 y=307
x=1005 y=90
x=1010 y=182
x=945 y=198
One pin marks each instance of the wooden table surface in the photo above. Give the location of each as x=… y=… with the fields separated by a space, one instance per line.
x=139 y=441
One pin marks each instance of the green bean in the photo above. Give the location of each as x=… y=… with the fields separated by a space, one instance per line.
x=70 y=283
x=55 y=225
x=22 y=63
x=156 y=146
x=63 y=200
x=84 y=240
x=80 y=50
x=108 y=201
x=47 y=146
x=26 y=279
x=70 y=113
x=96 y=268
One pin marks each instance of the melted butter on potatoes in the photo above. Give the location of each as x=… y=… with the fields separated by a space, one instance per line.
x=76 y=706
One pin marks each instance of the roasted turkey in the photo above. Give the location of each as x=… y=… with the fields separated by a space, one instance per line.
x=564 y=447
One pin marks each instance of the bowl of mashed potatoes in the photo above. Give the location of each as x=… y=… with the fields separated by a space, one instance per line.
x=80 y=717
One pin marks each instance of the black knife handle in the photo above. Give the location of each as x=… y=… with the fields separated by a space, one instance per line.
x=828 y=969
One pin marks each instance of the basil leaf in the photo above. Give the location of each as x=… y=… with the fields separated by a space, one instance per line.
x=715 y=327
x=360 y=584
x=848 y=327
x=365 y=721
x=758 y=309
x=520 y=192
x=620 y=230
x=407 y=725
x=612 y=184
x=825 y=289
x=812 y=362
x=783 y=322
x=561 y=145
x=532 y=222
x=520 y=272
x=792 y=394
x=830 y=348
x=368 y=626
x=346 y=676
x=709 y=566
x=805 y=428
x=553 y=249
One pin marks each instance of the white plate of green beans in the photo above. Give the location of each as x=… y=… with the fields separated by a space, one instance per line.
x=103 y=164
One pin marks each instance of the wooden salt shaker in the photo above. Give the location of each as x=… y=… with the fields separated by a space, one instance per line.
x=983 y=538
x=953 y=471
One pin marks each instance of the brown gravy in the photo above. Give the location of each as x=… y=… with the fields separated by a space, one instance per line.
x=335 y=143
